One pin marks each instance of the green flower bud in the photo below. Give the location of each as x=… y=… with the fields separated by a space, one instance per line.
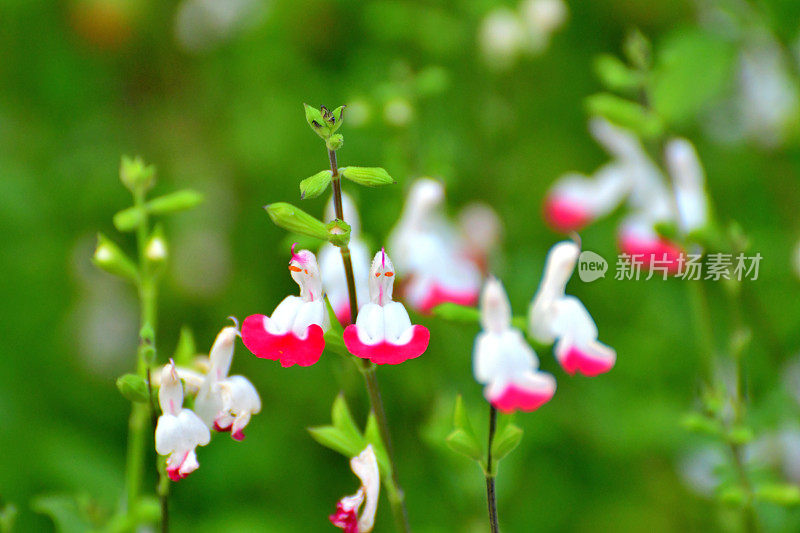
x=338 y=232
x=109 y=257
x=135 y=175
x=156 y=248
x=334 y=142
x=638 y=49
x=369 y=176
x=133 y=387
x=615 y=74
x=338 y=118
x=129 y=219
x=176 y=201
x=316 y=184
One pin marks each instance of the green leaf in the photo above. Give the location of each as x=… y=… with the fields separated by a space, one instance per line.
x=173 y=202
x=699 y=423
x=295 y=219
x=315 y=120
x=338 y=118
x=505 y=441
x=626 y=114
x=315 y=185
x=186 y=348
x=638 y=50
x=779 y=494
x=732 y=495
x=457 y=313
x=367 y=176
x=128 y=219
x=335 y=439
x=460 y=442
x=67 y=513
x=133 y=387
x=335 y=324
x=372 y=435
x=693 y=67
x=461 y=419
x=616 y=75
x=343 y=420
x=740 y=435
x=335 y=343
x=109 y=257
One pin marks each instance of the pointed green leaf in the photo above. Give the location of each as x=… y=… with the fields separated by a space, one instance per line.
x=186 y=348
x=459 y=441
x=133 y=387
x=343 y=420
x=372 y=435
x=626 y=114
x=316 y=121
x=128 y=219
x=109 y=257
x=65 y=511
x=461 y=419
x=368 y=176
x=616 y=75
x=315 y=185
x=505 y=441
x=457 y=313
x=173 y=202
x=335 y=439
x=338 y=118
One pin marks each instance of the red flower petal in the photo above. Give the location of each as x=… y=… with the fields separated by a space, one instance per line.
x=287 y=348
x=657 y=252
x=386 y=353
x=513 y=398
x=576 y=360
x=440 y=295
x=345 y=519
x=564 y=216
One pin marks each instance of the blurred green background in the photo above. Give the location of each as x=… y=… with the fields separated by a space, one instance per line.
x=214 y=101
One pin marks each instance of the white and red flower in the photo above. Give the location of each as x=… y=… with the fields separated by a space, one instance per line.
x=294 y=333
x=347 y=517
x=178 y=431
x=431 y=253
x=332 y=268
x=575 y=201
x=226 y=403
x=503 y=361
x=383 y=332
x=557 y=317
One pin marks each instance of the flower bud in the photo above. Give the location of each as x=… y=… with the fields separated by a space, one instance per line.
x=334 y=142
x=316 y=184
x=133 y=388
x=294 y=219
x=156 y=248
x=368 y=176
x=134 y=174
x=109 y=257
x=129 y=219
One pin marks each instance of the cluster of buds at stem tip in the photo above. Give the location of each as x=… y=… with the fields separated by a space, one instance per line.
x=349 y=516
x=325 y=123
x=135 y=175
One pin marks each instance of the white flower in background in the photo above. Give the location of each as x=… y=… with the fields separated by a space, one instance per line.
x=429 y=250
x=178 y=431
x=481 y=231
x=505 y=35
x=331 y=266
x=575 y=201
x=688 y=184
x=224 y=402
x=557 y=317
x=542 y=18
x=501 y=37
x=203 y=24
x=503 y=361
x=347 y=517
x=398 y=112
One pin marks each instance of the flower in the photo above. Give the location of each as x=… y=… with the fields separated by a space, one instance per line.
x=556 y=317
x=688 y=183
x=178 y=431
x=429 y=249
x=575 y=201
x=383 y=332
x=503 y=361
x=294 y=332
x=365 y=466
x=481 y=231
x=332 y=268
x=224 y=402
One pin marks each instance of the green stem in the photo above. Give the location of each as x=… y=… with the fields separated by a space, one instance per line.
x=491 y=496
x=368 y=368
